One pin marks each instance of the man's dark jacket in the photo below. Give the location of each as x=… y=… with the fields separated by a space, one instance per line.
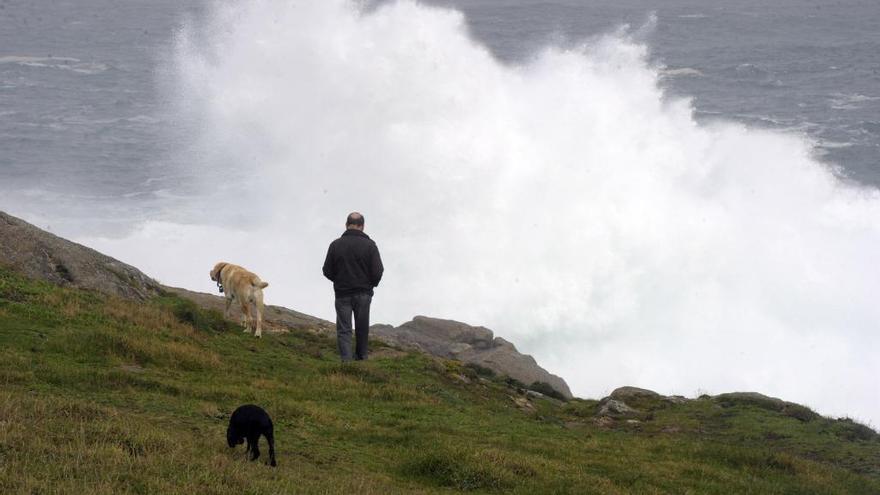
x=353 y=264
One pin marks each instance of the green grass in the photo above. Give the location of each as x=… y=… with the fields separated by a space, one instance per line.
x=105 y=396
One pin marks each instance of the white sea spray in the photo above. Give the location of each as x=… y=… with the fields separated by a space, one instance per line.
x=565 y=202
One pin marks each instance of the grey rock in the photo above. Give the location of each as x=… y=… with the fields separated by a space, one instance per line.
x=624 y=393
x=456 y=348
x=618 y=403
x=455 y=340
x=535 y=395
x=38 y=254
x=614 y=408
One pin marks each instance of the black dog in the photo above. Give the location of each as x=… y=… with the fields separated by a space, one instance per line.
x=249 y=422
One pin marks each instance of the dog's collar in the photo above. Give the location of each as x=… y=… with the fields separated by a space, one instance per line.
x=220 y=278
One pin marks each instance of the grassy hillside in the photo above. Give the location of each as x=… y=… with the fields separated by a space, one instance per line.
x=100 y=395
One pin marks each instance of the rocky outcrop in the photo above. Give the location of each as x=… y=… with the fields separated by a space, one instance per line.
x=629 y=393
x=614 y=407
x=44 y=256
x=629 y=402
x=478 y=345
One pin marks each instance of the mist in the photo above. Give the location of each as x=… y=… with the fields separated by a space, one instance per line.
x=564 y=202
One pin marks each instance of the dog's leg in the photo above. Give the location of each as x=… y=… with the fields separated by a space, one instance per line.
x=270 y=438
x=257 y=321
x=258 y=309
x=228 y=304
x=254 y=442
x=245 y=317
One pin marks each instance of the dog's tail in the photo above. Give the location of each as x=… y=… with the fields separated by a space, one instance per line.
x=256 y=282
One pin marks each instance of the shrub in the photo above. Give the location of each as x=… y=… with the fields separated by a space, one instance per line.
x=748 y=399
x=480 y=370
x=799 y=412
x=853 y=430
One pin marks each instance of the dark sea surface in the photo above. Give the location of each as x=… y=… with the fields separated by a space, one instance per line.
x=86 y=136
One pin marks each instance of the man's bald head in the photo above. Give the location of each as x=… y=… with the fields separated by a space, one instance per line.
x=354 y=221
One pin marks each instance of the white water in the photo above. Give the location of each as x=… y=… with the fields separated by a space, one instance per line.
x=564 y=203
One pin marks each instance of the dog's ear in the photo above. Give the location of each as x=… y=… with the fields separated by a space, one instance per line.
x=231 y=437
x=215 y=270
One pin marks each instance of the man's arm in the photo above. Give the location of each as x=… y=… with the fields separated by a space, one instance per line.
x=376 y=267
x=328 y=264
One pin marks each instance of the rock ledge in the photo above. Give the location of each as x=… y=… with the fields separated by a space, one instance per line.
x=455 y=340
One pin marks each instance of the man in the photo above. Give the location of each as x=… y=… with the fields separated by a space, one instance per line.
x=354 y=266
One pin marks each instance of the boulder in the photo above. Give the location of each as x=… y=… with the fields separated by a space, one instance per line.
x=627 y=401
x=455 y=340
x=614 y=408
x=624 y=393
x=40 y=255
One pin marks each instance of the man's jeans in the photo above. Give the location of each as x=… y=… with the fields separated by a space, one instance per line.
x=359 y=304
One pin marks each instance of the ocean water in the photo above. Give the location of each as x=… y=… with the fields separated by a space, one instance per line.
x=676 y=195
x=86 y=138
x=82 y=124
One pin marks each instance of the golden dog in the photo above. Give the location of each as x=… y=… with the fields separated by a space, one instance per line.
x=245 y=287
